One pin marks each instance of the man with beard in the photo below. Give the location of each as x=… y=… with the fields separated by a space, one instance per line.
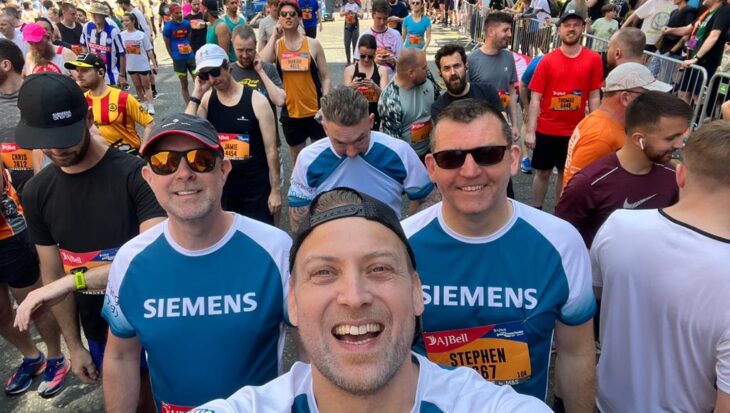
x=405 y=104
x=42 y=55
x=177 y=34
x=197 y=23
x=102 y=39
x=80 y=210
x=246 y=125
x=116 y=112
x=494 y=64
x=566 y=81
x=626 y=45
x=251 y=71
x=453 y=68
x=356 y=298
x=637 y=176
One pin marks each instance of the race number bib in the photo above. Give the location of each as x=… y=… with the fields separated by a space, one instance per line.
x=307 y=14
x=77 y=49
x=498 y=352
x=132 y=47
x=294 y=61
x=197 y=24
x=566 y=100
x=184 y=48
x=504 y=97
x=172 y=408
x=420 y=131
x=350 y=19
x=415 y=39
x=370 y=94
x=15 y=158
x=83 y=261
x=392 y=24
x=235 y=147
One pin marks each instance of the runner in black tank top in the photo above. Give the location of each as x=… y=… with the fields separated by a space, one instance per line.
x=247 y=188
x=370 y=95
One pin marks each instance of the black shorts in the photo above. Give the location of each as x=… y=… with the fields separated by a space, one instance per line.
x=18 y=262
x=182 y=67
x=550 y=151
x=139 y=72
x=296 y=131
x=255 y=206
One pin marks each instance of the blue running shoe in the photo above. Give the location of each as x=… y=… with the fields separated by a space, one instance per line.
x=525 y=166
x=23 y=377
x=56 y=371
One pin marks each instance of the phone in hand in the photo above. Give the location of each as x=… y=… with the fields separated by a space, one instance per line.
x=360 y=76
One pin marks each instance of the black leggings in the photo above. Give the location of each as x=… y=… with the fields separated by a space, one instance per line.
x=351 y=36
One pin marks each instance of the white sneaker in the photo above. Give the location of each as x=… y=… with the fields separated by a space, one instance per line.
x=151 y=109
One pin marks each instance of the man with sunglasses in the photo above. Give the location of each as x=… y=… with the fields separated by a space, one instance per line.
x=209 y=324
x=303 y=67
x=499 y=279
x=354 y=156
x=80 y=210
x=246 y=125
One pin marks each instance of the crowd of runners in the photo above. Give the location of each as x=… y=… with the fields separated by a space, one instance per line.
x=154 y=246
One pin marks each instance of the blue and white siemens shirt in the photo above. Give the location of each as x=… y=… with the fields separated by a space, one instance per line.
x=492 y=302
x=439 y=390
x=210 y=320
x=388 y=168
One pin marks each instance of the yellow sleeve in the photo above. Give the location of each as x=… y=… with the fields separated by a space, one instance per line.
x=135 y=111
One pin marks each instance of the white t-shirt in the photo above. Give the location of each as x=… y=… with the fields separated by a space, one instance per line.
x=656 y=16
x=136 y=44
x=439 y=390
x=665 y=317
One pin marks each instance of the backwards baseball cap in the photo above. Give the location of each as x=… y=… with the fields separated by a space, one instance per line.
x=86 y=60
x=33 y=33
x=210 y=55
x=183 y=124
x=52 y=112
x=570 y=13
x=632 y=75
x=98 y=8
x=369 y=208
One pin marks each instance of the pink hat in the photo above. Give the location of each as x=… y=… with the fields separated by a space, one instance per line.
x=33 y=33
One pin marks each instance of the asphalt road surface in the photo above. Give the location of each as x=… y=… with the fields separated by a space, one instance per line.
x=77 y=397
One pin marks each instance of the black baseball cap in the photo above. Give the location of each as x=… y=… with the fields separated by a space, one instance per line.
x=53 y=112
x=571 y=13
x=87 y=60
x=183 y=124
x=369 y=208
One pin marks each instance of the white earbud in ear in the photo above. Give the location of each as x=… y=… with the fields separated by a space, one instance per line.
x=641 y=143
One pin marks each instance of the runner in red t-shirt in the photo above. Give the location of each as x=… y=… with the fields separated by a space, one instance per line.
x=565 y=80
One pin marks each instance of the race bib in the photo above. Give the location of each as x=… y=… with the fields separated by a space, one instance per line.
x=197 y=24
x=172 y=408
x=420 y=131
x=370 y=94
x=294 y=61
x=77 y=49
x=307 y=14
x=383 y=52
x=498 y=352
x=415 y=39
x=350 y=19
x=392 y=24
x=15 y=158
x=132 y=48
x=184 y=48
x=505 y=98
x=566 y=100
x=235 y=147
x=83 y=261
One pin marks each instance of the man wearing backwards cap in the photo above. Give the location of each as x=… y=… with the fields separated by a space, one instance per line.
x=116 y=112
x=102 y=39
x=80 y=210
x=204 y=291
x=602 y=131
x=356 y=297
x=42 y=55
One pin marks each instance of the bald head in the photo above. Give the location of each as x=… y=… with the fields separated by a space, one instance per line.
x=626 y=45
x=409 y=59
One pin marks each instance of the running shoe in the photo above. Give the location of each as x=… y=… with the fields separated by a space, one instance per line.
x=151 y=109
x=56 y=371
x=23 y=377
x=525 y=166
x=154 y=94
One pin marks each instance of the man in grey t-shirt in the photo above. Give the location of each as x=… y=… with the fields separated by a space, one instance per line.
x=249 y=70
x=268 y=23
x=494 y=64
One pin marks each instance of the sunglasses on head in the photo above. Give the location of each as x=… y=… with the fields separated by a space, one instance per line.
x=287 y=14
x=483 y=156
x=199 y=160
x=215 y=72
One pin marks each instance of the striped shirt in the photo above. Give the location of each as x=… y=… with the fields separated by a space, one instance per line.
x=107 y=44
x=115 y=114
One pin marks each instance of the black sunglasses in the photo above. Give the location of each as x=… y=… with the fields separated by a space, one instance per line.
x=366 y=56
x=287 y=13
x=215 y=72
x=484 y=156
x=199 y=160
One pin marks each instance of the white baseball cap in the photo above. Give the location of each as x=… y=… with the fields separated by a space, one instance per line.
x=633 y=75
x=210 y=55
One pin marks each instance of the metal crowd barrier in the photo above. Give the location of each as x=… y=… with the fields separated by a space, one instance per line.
x=718 y=93
x=532 y=37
